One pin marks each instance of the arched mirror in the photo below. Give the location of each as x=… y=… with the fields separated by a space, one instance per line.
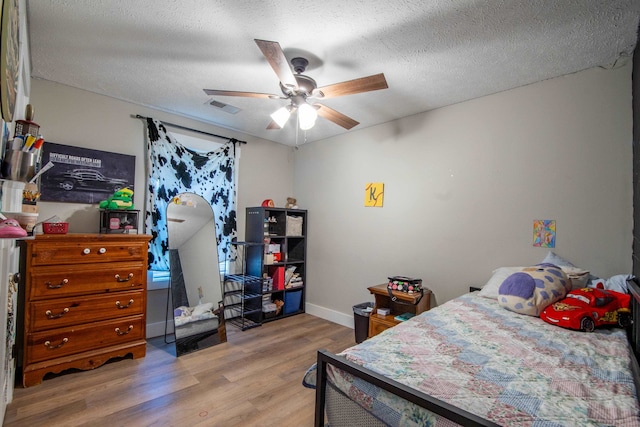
x=196 y=289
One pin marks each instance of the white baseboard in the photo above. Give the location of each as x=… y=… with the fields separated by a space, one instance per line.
x=330 y=315
x=156 y=329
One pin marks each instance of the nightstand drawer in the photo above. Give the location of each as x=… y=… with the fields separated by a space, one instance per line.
x=61 y=312
x=378 y=323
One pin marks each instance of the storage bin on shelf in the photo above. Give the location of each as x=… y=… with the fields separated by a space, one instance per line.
x=269 y=310
x=294 y=225
x=292 y=301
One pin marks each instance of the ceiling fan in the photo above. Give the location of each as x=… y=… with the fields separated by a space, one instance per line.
x=302 y=90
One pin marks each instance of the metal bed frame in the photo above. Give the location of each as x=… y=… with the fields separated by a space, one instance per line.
x=437 y=406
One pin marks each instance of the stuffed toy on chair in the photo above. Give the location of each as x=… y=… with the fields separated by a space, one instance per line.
x=530 y=291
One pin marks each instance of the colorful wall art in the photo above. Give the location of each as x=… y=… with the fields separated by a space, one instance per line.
x=544 y=233
x=374 y=194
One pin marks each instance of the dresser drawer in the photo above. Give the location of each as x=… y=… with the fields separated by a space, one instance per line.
x=55 y=253
x=58 y=281
x=61 y=342
x=61 y=312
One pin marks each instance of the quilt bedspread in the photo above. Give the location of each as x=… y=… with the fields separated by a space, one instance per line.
x=512 y=369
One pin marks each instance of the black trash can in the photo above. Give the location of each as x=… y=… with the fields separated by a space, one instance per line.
x=361 y=314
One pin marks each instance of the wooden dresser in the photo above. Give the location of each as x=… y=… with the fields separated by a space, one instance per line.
x=82 y=300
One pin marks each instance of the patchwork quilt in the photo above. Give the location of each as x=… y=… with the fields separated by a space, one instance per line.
x=512 y=369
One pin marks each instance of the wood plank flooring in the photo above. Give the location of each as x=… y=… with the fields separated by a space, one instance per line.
x=252 y=380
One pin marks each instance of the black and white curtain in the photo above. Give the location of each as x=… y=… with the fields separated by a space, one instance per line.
x=173 y=169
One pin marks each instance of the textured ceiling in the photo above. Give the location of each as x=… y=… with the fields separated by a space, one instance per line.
x=162 y=53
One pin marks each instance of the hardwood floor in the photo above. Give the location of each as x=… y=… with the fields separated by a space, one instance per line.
x=252 y=380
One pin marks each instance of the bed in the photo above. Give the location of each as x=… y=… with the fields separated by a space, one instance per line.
x=481 y=365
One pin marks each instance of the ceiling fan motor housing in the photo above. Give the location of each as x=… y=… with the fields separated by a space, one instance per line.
x=299 y=64
x=306 y=86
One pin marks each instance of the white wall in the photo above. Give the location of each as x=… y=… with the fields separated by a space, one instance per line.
x=79 y=118
x=463 y=185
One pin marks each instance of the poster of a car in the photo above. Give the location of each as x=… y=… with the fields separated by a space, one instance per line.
x=82 y=175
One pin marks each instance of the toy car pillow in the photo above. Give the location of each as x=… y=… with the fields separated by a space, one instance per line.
x=534 y=288
x=587 y=308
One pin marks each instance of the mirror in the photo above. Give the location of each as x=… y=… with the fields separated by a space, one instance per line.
x=196 y=289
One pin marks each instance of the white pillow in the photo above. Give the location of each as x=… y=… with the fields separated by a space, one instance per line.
x=202 y=308
x=580 y=278
x=554 y=259
x=490 y=289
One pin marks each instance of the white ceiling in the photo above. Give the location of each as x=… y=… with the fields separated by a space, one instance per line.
x=162 y=53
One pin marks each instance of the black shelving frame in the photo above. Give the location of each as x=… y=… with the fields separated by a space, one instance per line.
x=293 y=250
x=242 y=296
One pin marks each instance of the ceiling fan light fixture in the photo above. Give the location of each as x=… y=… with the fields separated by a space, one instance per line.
x=307 y=116
x=281 y=115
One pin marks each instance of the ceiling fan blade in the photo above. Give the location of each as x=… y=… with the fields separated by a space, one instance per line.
x=236 y=93
x=336 y=117
x=275 y=56
x=363 y=84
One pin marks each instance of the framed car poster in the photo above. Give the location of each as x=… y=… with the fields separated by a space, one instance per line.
x=82 y=175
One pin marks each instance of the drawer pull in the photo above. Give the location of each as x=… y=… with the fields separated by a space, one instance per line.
x=55 y=316
x=102 y=250
x=53 y=347
x=129 y=329
x=58 y=286
x=120 y=306
x=86 y=251
x=120 y=279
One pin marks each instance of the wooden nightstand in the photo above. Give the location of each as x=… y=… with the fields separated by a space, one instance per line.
x=416 y=305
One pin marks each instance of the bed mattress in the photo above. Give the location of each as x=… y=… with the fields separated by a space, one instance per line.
x=512 y=369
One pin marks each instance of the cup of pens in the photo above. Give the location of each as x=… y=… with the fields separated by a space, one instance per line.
x=19 y=165
x=20 y=162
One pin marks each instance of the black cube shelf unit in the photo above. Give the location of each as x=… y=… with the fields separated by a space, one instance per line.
x=280 y=260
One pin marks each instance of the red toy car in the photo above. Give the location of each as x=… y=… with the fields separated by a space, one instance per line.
x=585 y=309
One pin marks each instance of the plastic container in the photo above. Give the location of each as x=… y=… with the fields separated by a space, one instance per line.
x=55 y=227
x=361 y=313
x=292 y=301
x=269 y=310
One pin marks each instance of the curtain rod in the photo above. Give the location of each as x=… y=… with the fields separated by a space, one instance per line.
x=138 y=116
